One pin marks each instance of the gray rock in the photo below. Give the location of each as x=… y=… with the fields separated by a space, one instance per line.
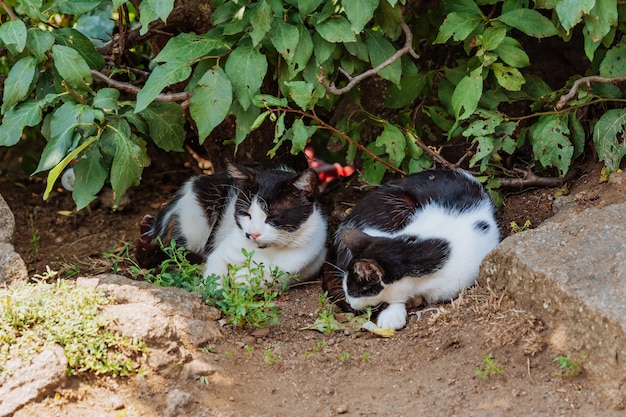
x=12 y=267
x=571 y=271
x=23 y=382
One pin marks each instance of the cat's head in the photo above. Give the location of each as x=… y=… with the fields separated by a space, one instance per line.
x=273 y=205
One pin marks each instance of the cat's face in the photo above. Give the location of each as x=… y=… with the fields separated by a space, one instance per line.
x=272 y=206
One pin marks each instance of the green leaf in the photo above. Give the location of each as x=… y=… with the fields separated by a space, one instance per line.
x=129 y=159
x=107 y=99
x=79 y=42
x=246 y=67
x=380 y=49
x=600 y=19
x=491 y=38
x=483 y=152
x=388 y=17
x=261 y=21
x=458 y=26
x=63 y=127
x=211 y=101
x=32 y=8
x=39 y=42
x=75 y=7
x=151 y=10
x=608 y=134
x=90 y=178
x=285 y=38
x=373 y=170
x=72 y=67
x=301 y=92
x=359 y=12
x=322 y=49
x=406 y=92
x=301 y=135
x=13 y=33
x=551 y=146
x=162 y=76
x=266 y=100
x=570 y=12
x=578 y=135
x=614 y=63
x=244 y=119
x=336 y=30
x=467 y=94
x=530 y=22
x=186 y=48
x=511 y=53
x=26 y=113
x=303 y=52
x=166 y=124
x=307 y=6
x=58 y=169
x=18 y=83
x=393 y=141
x=509 y=78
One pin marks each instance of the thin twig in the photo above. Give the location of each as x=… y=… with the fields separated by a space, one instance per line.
x=528 y=178
x=129 y=88
x=352 y=81
x=9 y=10
x=587 y=80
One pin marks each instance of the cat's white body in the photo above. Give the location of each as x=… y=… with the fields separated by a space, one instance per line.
x=468 y=247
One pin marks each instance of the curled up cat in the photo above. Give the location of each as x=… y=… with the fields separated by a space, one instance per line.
x=273 y=212
x=422 y=235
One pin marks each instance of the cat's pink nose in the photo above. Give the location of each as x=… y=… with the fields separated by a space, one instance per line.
x=254 y=235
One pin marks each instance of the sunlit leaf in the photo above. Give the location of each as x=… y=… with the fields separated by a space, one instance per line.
x=211 y=101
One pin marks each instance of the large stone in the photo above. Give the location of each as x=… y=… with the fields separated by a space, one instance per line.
x=12 y=266
x=571 y=271
x=23 y=382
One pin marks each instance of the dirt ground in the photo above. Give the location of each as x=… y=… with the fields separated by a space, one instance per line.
x=432 y=367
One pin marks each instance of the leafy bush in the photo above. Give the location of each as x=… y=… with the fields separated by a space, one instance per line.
x=99 y=103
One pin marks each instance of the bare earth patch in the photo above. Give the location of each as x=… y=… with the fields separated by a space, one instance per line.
x=428 y=368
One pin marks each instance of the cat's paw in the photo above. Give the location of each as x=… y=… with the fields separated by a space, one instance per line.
x=393 y=317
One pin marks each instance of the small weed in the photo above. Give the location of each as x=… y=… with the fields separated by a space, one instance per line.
x=319 y=346
x=249 y=350
x=34 y=237
x=325 y=321
x=489 y=368
x=366 y=356
x=246 y=294
x=515 y=228
x=568 y=366
x=39 y=314
x=343 y=356
x=271 y=357
x=203 y=380
x=209 y=349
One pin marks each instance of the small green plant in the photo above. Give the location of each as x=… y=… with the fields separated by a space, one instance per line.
x=325 y=321
x=343 y=356
x=40 y=314
x=515 y=228
x=245 y=294
x=488 y=368
x=568 y=366
x=34 y=237
x=249 y=350
x=203 y=380
x=271 y=357
x=319 y=346
x=366 y=356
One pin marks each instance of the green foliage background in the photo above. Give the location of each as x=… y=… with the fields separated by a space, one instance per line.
x=279 y=62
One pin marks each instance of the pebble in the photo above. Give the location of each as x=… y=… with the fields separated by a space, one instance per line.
x=261 y=333
x=249 y=341
x=342 y=409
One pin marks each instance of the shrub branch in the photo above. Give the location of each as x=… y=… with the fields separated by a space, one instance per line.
x=129 y=88
x=353 y=81
x=587 y=80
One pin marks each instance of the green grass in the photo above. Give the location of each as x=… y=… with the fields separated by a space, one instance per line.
x=568 y=366
x=37 y=315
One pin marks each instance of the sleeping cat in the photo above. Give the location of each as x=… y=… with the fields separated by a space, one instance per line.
x=273 y=212
x=423 y=235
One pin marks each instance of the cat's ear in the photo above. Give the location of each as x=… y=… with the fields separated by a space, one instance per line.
x=354 y=239
x=306 y=182
x=368 y=270
x=239 y=172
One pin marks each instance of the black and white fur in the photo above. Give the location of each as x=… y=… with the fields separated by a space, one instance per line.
x=423 y=235
x=273 y=212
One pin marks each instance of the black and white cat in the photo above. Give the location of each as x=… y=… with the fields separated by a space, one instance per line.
x=273 y=212
x=423 y=235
